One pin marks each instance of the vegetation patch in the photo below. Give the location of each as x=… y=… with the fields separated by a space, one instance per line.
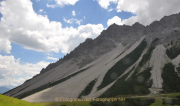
x=137 y=85
x=172 y=95
x=157 y=103
x=74 y=103
x=123 y=64
x=178 y=69
x=146 y=56
x=127 y=102
x=171 y=80
x=23 y=95
x=174 y=51
x=170 y=101
x=9 y=101
x=148 y=53
x=88 y=89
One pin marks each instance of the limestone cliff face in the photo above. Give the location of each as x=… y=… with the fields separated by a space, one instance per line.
x=91 y=49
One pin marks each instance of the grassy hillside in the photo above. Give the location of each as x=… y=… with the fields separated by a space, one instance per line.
x=9 y=101
x=77 y=103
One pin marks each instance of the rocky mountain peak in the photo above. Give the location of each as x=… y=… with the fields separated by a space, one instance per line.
x=91 y=49
x=137 y=25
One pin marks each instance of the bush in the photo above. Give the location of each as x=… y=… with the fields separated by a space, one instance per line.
x=171 y=80
x=88 y=89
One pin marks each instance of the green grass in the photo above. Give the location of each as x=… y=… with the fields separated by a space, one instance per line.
x=9 y=101
x=135 y=101
x=157 y=103
x=77 y=103
x=172 y=95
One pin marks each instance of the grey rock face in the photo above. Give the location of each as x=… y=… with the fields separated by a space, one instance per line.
x=91 y=49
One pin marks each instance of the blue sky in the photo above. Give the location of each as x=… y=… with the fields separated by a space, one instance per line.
x=90 y=12
x=34 y=33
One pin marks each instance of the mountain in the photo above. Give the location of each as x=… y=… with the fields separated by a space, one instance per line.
x=122 y=60
x=3 y=89
x=9 y=86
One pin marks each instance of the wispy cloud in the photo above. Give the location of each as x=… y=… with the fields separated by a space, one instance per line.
x=110 y=9
x=40 y=10
x=52 y=5
x=73 y=13
x=52 y=58
x=61 y=3
x=70 y=21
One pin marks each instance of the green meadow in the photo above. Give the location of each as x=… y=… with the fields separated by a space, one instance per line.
x=172 y=99
x=9 y=101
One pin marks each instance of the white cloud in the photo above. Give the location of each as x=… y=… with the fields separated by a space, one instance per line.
x=105 y=3
x=110 y=9
x=147 y=11
x=14 y=73
x=70 y=21
x=84 y=17
x=66 y=2
x=21 y=25
x=83 y=32
x=37 y=0
x=52 y=58
x=40 y=10
x=61 y=3
x=5 y=45
x=78 y=22
x=52 y=5
x=73 y=13
x=115 y=20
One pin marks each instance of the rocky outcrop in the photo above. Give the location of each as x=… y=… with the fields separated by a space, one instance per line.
x=91 y=49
